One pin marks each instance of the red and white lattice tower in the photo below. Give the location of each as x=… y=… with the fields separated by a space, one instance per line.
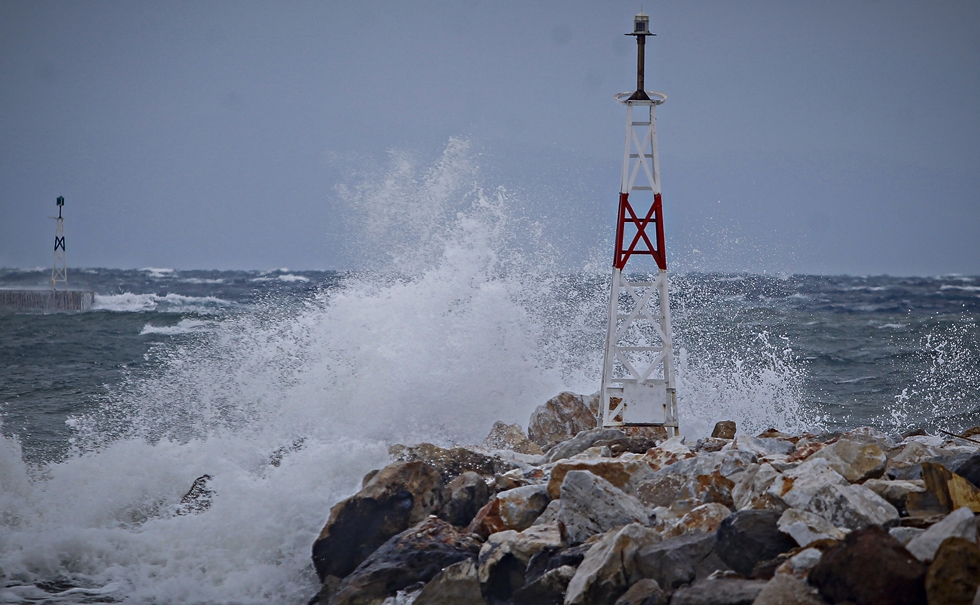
x=638 y=370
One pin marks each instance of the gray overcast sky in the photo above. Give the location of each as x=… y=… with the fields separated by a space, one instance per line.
x=829 y=137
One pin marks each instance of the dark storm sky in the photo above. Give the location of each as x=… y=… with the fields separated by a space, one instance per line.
x=830 y=137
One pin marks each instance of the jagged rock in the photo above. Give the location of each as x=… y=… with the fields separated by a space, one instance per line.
x=711 y=444
x=750 y=536
x=851 y=506
x=788 y=590
x=559 y=419
x=624 y=474
x=905 y=534
x=961 y=523
x=796 y=487
x=368 y=476
x=804 y=449
x=761 y=446
x=548 y=589
x=581 y=442
x=644 y=592
x=275 y=458
x=198 y=497
x=655 y=433
x=800 y=564
x=709 y=488
x=510 y=437
x=398 y=497
x=504 y=558
x=551 y=558
x=855 y=460
x=678 y=561
x=954 y=575
x=870 y=568
x=702 y=519
x=728 y=463
x=509 y=480
x=661 y=490
x=895 y=492
x=512 y=509
x=591 y=505
x=724 y=430
x=633 y=445
x=668 y=452
x=910 y=454
x=414 y=555
x=467 y=494
x=806 y=527
x=945 y=491
x=609 y=566
x=450 y=463
x=457 y=584
x=969 y=469
x=550 y=513
x=722 y=591
x=751 y=490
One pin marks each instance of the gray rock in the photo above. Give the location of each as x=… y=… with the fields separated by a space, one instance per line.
x=960 y=523
x=749 y=536
x=510 y=437
x=519 y=507
x=722 y=591
x=761 y=446
x=581 y=442
x=784 y=589
x=751 y=488
x=904 y=534
x=467 y=494
x=851 y=506
x=548 y=589
x=806 y=527
x=504 y=558
x=856 y=460
x=591 y=505
x=550 y=513
x=644 y=592
x=609 y=567
x=559 y=419
x=455 y=585
x=796 y=487
x=678 y=561
x=895 y=492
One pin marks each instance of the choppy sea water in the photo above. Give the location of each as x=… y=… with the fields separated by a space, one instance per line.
x=108 y=416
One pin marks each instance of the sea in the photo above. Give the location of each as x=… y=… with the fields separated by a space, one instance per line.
x=287 y=386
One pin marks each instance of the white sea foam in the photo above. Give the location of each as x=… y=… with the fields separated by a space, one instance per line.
x=129 y=302
x=184 y=326
x=470 y=324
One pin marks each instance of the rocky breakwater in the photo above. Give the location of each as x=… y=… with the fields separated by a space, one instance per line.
x=580 y=515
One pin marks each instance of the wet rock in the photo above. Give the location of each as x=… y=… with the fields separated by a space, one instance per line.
x=368 y=476
x=702 y=519
x=415 y=555
x=624 y=445
x=467 y=494
x=510 y=437
x=945 y=491
x=669 y=452
x=275 y=458
x=870 y=568
x=954 y=575
x=452 y=462
x=797 y=487
x=398 y=497
x=763 y=447
x=591 y=505
x=895 y=492
x=706 y=489
x=804 y=449
x=851 y=506
x=655 y=433
x=750 y=536
x=711 y=444
x=457 y=584
x=961 y=523
x=678 y=561
x=724 y=430
x=751 y=489
x=722 y=591
x=513 y=509
x=504 y=558
x=551 y=558
x=910 y=454
x=806 y=527
x=904 y=534
x=644 y=592
x=581 y=442
x=198 y=497
x=548 y=589
x=788 y=590
x=559 y=419
x=624 y=474
x=609 y=567
x=854 y=459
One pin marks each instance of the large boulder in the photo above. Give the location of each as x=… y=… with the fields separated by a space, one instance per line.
x=724 y=429
x=784 y=589
x=856 y=460
x=396 y=498
x=961 y=523
x=705 y=518
x=581 y=442
x=796 y=487
x=748 y=537
x=644 y=592
x=624 y=474
x=945 y=491
x=452 y=462
x=591 y=505
x=609 y=566
x=870 y=568
x=559 y=419
x=467 y=494
x=851 y=506
x=457 y=584
x=547 y=589
x=504 y=559
x=751 y=489
x=678 y=561
x=806 y=527
x=763 y=447
x=895 y=492
x=515 y=509
x=415 y=555
x=721 y=591
x=510 y=437
x=954 y=575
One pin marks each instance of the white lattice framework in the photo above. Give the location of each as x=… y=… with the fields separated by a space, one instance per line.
x=59 y=272
x=638 y=385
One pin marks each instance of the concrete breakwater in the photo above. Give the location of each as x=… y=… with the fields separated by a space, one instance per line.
x=47 y=300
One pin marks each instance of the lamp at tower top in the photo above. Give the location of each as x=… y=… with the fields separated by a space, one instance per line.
x=641 y=29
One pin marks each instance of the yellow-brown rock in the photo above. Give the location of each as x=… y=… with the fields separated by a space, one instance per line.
x=621 y=473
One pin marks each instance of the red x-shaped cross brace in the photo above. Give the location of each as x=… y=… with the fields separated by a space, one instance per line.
x=622 y=255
